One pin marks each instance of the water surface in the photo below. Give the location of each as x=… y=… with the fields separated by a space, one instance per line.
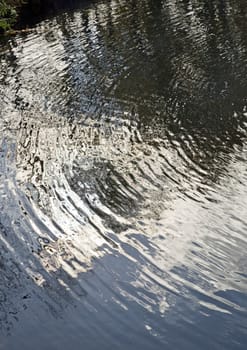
x=123 y=178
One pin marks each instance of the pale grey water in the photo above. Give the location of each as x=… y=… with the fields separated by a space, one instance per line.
x=123 y=178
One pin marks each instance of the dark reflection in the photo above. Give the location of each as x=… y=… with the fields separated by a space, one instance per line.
x=123 y=182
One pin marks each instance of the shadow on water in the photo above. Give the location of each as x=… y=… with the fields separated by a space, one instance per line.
x=123 y=152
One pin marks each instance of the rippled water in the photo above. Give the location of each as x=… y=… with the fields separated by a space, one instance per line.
x=123 y=178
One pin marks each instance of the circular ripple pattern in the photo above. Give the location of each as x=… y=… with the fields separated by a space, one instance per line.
x=123 y=183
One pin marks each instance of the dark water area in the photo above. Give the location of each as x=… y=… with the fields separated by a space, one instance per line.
x=33 y=11
x=123 y=178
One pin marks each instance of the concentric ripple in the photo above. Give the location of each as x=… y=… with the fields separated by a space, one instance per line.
x=123 y=178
